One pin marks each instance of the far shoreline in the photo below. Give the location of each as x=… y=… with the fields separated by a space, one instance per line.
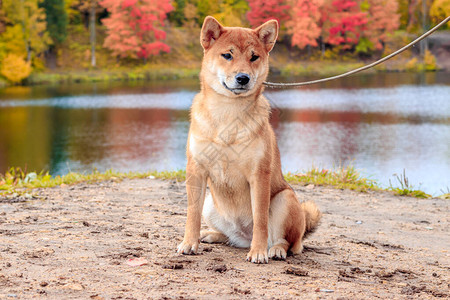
x=149 y=72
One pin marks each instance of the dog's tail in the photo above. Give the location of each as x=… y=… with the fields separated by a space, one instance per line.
x=312 y=217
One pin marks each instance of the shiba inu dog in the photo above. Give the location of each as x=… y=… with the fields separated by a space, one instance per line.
x=232 y=148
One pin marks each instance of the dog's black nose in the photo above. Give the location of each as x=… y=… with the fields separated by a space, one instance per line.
x=242 y=78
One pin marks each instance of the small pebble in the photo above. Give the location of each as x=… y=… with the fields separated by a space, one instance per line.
x=324 y=290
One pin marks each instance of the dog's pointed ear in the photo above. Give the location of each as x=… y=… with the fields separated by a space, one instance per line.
x=211 y=30
x=268 y=33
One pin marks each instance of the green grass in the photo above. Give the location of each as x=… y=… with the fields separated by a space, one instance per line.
x=149 y=73
x=406 y=189
x=341 y=178
x=15 y=180
x=320 y=68
x=19 y=182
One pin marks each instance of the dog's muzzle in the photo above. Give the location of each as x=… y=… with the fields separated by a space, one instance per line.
x=240 y=84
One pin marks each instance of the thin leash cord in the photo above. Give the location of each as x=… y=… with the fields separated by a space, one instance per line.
x=295 y=84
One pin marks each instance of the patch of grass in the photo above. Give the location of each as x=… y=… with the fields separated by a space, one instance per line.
x=406 y=189
x=445 y=195
x=342 y=178
x=159 y=72
x=19 y=182
x=322 y=68
x=16 y=180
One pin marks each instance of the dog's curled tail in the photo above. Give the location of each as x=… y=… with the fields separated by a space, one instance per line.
x=312 y=216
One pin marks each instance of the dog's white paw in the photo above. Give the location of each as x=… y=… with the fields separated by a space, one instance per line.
x=187 y=247
x=258 y=256
x=277 y=252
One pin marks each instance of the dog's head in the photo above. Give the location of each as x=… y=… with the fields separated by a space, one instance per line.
x=235 y=62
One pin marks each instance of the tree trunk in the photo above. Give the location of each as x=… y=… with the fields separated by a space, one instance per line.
x=424 y=43
x=322 y=47
x=24 y=31
x=92 y=31
x=27 y=44
x=412 y=18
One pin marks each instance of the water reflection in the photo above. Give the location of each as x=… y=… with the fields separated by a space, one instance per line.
x=381 y=130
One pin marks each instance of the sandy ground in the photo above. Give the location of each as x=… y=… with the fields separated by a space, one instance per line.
x=75 y=242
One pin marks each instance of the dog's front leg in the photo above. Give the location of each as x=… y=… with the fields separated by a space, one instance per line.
x=196 y=188
x=260 y=197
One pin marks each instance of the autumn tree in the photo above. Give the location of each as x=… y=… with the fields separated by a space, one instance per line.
x=206 y=8
x=440 y=9
x=264 y=10
x=382 y=20
x=26 y=27
x=418 y=11
x=134 y=27
x=2 y=18
x=232 y=12
x=15 y=68
x=304 y=22
x=343 y=22
x=91 y=9
x=190 y=13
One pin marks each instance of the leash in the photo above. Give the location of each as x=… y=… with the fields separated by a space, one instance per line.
x=295 y=84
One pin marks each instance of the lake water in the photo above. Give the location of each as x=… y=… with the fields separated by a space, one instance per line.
x=380 y=123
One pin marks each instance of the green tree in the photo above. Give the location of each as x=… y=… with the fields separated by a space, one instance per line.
x=56 y=19
x=177 y=15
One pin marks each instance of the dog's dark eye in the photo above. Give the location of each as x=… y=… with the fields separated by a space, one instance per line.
x=254 y=57
x=227 y=56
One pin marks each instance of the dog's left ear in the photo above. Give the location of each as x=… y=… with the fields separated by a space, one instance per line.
x=211 y=30
x=268 y=33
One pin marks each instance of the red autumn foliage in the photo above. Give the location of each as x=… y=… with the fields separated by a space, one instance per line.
x=303 y=24
x=343 y=22
x=382 y=20
x=133 y=27
x=264 y=10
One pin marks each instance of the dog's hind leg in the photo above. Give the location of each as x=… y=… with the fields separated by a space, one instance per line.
x=286 y=224
x=212 y=236
x=213 y=220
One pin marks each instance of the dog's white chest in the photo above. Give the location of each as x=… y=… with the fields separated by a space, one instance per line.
x=223 y=159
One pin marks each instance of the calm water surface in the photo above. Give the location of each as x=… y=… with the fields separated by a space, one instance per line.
x=380 y=123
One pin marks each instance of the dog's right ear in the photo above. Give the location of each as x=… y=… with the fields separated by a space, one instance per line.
x=211 y=31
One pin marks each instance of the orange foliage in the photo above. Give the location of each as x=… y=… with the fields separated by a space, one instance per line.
x=440 y=10
x=15 y=68
x=383 y=20
x=133 y=27
x=303 y=24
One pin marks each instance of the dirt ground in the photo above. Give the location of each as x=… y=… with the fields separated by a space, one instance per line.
x=75 y=242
